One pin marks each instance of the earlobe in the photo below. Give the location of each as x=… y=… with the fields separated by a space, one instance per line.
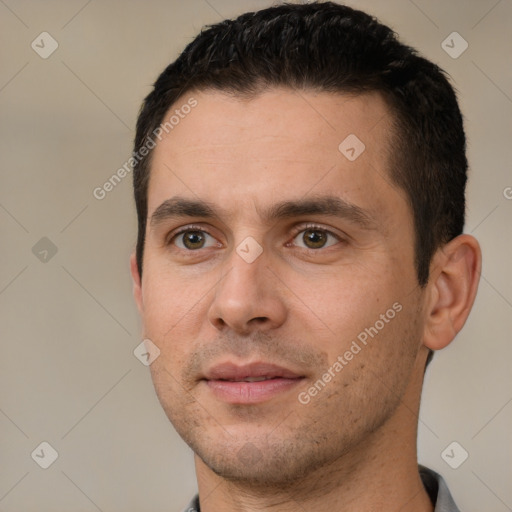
x=137 y=283
x=455 y=273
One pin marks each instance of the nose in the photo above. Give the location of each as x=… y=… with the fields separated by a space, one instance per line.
x=248 y=298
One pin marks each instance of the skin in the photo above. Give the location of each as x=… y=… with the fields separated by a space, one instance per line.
x=353 y=446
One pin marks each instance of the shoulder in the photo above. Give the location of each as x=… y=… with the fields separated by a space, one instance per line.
x=437 y=490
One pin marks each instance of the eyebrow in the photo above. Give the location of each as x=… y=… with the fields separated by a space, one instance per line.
x=180 y=207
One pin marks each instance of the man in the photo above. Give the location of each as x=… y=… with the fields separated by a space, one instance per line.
x=299 y=184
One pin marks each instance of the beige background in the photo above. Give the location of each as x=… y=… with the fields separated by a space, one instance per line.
x=68 y=375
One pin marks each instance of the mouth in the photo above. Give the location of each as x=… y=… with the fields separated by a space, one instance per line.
x=250 y=384
x=250 y=379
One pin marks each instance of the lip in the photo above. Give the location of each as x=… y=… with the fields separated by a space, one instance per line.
x=221 y=378
x=232 y=371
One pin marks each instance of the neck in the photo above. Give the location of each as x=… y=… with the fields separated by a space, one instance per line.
x=381 y=473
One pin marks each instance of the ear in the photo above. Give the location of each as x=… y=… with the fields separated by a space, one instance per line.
x=452 y=287
x=137 y=283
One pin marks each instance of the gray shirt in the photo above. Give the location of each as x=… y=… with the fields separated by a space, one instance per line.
x=434 y=484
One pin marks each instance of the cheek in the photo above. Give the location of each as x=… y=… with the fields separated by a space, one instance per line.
x=168 y=297
x=173 y=316
x=371 y=319
x=350 y=299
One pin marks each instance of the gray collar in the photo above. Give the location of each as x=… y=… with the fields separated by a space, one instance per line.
x=434 y=484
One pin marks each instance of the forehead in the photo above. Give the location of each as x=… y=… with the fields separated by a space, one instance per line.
x=285 y=117
x=278 y=144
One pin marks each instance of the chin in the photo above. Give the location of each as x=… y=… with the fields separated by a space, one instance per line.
x=266 y=473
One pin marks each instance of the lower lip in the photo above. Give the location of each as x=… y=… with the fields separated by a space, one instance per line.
x=250 y=392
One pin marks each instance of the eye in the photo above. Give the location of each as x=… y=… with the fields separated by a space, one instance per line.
x=315 y=238
x=193 y=239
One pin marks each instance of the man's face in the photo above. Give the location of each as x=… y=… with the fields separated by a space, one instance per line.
x=294 y=249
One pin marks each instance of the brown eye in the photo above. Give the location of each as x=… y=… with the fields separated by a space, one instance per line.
x=193 y=239
x=315 y=238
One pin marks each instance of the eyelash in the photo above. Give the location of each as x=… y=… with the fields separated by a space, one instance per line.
x=300 y=229
x=295 y=232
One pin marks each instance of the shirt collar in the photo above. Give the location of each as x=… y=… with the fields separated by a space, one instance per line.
x=434 y=484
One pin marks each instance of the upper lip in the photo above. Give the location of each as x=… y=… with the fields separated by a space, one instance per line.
x=232 y=371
